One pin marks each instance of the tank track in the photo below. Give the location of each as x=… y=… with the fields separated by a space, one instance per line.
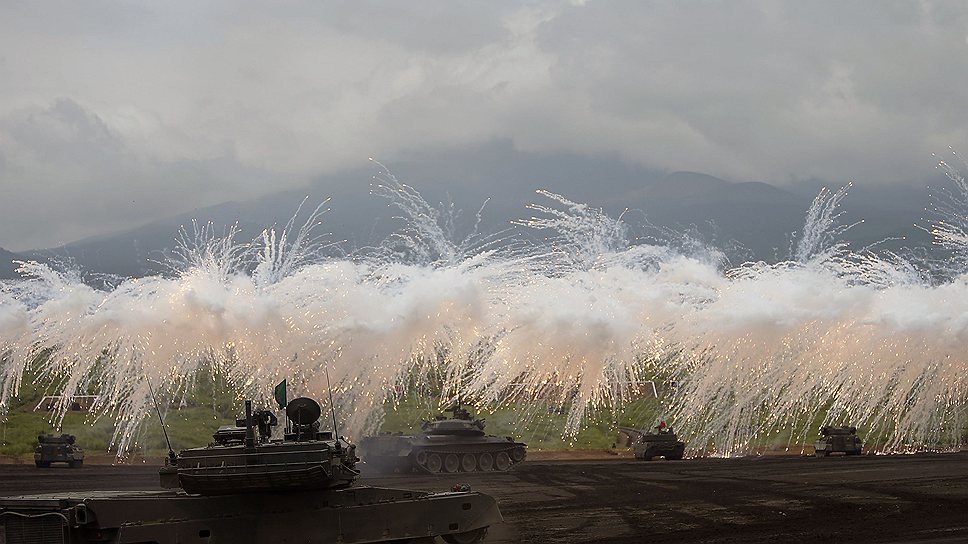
x=443 y=460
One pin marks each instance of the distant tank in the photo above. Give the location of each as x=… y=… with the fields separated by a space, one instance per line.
x=649 y=445
x=834 y=439
x=244 y=488
x=445 y=444
x=57 y=449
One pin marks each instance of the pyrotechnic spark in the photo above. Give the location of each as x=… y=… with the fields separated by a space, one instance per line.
x=832 y=335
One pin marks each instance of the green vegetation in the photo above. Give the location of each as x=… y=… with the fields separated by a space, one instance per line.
x=211 y=401
x=187 y=428
x=541 y=427
x=191 y=419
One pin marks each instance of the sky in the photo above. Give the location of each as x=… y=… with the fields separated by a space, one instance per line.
x=115 y=114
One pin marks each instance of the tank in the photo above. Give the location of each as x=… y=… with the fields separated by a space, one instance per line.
x=649 y=445
x=445 y=444
x=838 y=439
x=58 y=449
x=247 y=487
x=243 y=460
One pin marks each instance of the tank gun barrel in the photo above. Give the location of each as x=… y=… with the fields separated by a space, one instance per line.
x=633 y=434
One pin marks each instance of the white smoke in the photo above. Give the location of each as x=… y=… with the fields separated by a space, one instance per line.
x=831 y=335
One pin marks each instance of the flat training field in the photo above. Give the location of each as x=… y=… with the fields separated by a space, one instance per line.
x=883 y=499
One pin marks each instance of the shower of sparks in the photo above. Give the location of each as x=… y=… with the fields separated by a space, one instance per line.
x=575 y=320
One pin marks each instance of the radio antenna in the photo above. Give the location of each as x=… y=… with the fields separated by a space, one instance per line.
x=332 y=407
x=171 y=452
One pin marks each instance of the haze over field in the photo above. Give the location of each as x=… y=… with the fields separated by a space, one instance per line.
x=653 y=174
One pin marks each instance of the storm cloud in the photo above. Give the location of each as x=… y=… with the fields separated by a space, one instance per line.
x=115 y=115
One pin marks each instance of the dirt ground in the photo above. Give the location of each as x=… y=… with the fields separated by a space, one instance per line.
x=884 y=499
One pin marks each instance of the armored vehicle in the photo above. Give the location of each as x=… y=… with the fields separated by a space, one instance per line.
x=834 y=439
x=661 y=443
x=239 y=461
x=57 y=449
x=245 y=488
x=445 y=444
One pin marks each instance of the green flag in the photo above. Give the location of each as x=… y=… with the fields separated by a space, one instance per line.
x=281 y=394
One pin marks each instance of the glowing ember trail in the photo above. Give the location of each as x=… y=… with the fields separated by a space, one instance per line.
x=831 y=335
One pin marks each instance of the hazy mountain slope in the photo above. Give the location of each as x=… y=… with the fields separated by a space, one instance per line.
x=758 y=216
x=766 y=219
x=7 y=266
x=143 y=250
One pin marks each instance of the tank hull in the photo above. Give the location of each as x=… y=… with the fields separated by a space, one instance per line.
x=648 y=446
x=354 y=515
x=672 y=450
x=279 y=466
x=848 y=445
x=653 y=446
x=441 y=453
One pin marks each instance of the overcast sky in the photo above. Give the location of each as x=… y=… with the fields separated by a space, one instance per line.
x=115 y=114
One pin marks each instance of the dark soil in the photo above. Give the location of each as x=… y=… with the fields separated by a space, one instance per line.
x=883 y=499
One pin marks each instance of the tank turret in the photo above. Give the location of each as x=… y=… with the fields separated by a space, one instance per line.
x=460 y=424
x=445 y=444
x=244 y=457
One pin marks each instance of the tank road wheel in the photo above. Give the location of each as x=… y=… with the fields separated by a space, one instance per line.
x=434 y=463
x=421 y=458
x=486 y=462
x=451 y=463
x=470 y=537
x=517 y=455
x=468 y=463
x=821 y=453
x=502 y=461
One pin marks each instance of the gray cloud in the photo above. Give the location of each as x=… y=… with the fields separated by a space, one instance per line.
x=113 y=115
x=67 y=175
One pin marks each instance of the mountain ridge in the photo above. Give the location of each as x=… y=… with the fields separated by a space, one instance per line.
x=758 y=215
